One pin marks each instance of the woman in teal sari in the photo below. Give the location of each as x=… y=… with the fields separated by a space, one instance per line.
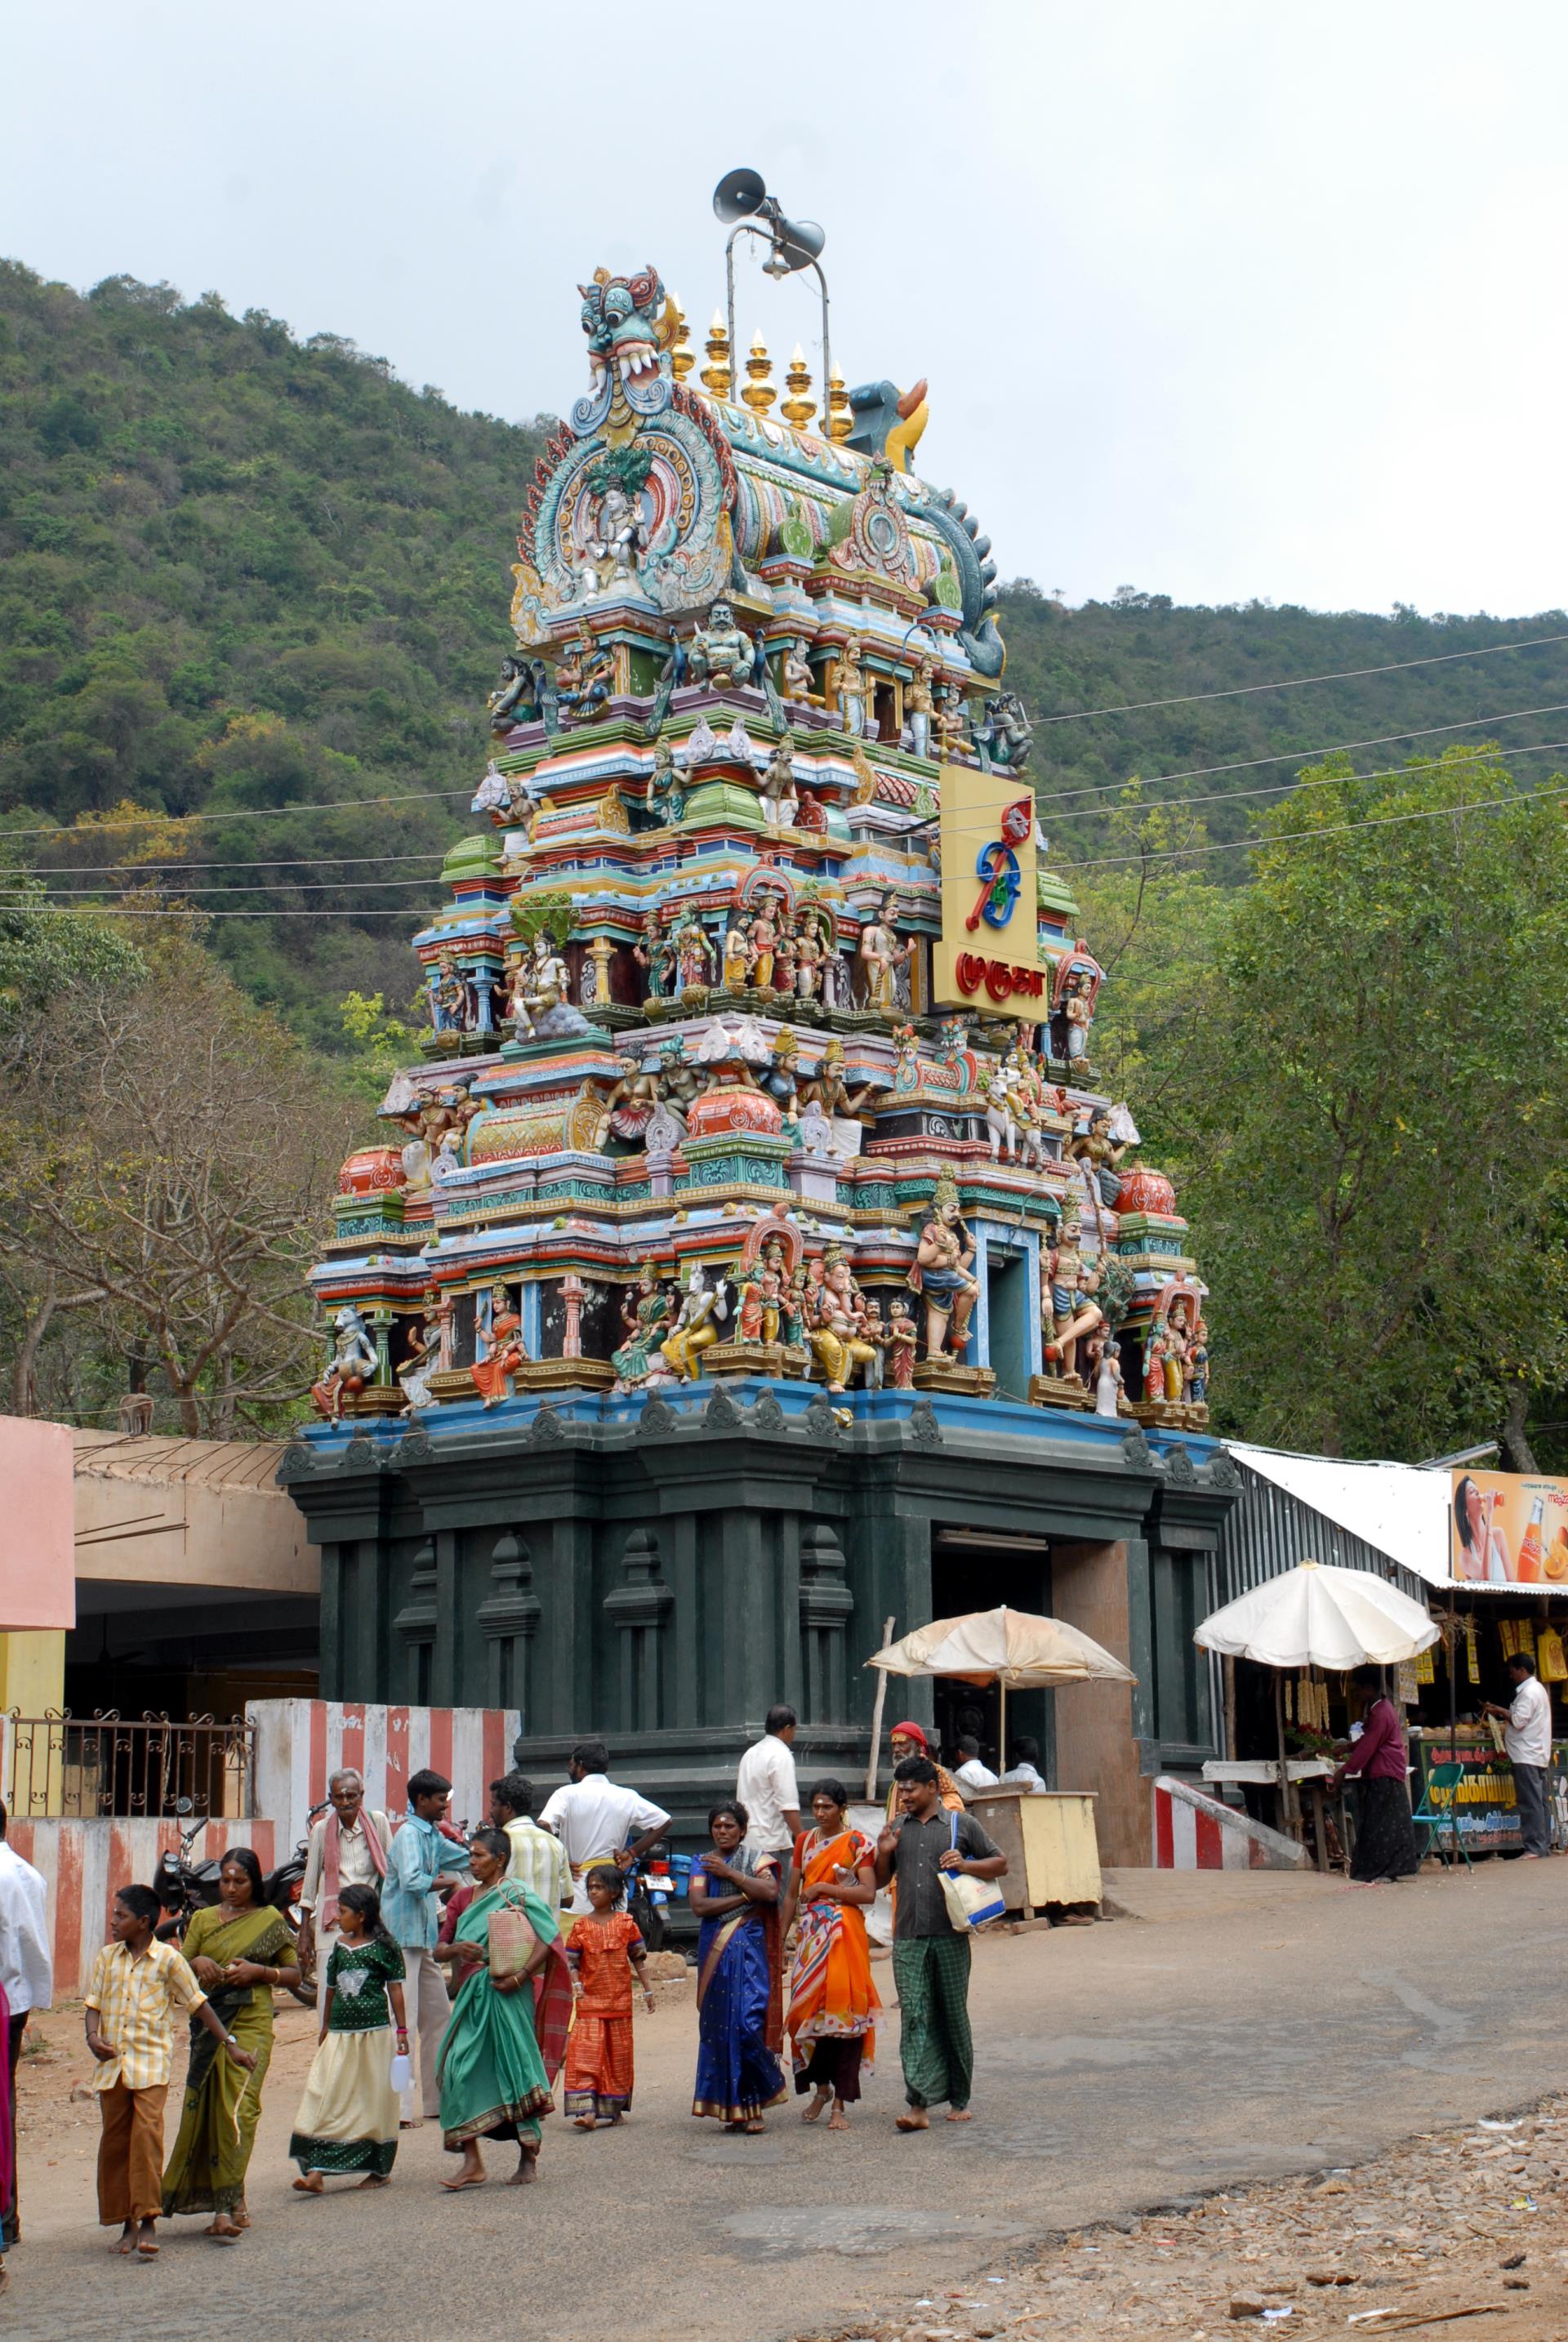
x=507 y=2038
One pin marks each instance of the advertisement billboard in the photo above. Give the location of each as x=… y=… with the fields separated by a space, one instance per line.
x=1508 y=1528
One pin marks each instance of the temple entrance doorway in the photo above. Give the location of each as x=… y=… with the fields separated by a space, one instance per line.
x=972 y=1569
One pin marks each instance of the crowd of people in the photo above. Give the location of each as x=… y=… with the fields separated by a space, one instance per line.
x=458 y=1980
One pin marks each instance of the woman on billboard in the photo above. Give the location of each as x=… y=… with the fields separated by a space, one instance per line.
x=1479 y=1554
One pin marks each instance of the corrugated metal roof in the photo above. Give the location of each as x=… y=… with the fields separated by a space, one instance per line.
x=244 y=1464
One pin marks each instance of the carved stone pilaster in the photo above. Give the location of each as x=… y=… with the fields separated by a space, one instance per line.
x=509 y=1619
x=639 y=1607
x=416 y=1624
x=826 y=1607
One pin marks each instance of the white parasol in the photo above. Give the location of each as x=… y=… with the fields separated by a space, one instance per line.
x=1315 y=1615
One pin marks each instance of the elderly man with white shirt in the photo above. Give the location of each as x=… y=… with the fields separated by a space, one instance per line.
x=348 y=1848
x=594 y=1817
x=766 y=1785
x=27 y=1978
x=1527 y=1737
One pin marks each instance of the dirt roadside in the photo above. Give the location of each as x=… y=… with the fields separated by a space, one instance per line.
x=1460 y=2233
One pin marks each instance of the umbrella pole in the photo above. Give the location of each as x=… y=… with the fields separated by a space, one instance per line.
x=1002 y=1726
x=1285 y=1800
x=876 y=1721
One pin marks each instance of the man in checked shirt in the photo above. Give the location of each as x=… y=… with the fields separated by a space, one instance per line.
x=137 y=1985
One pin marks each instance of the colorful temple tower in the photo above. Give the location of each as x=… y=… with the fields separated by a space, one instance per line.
x=751 y=1259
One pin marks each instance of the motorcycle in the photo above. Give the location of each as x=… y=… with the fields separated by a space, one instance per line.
x=652 y=1884
x=184 y=1887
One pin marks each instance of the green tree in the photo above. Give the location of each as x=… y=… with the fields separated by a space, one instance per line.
x=1381 y=1114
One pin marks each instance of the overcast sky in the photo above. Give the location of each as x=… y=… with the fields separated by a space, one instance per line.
x=1218 y=300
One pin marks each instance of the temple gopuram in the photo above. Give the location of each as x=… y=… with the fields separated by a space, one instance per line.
x=751 y=1260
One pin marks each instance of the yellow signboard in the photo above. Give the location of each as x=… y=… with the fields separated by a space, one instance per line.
x=988 y=956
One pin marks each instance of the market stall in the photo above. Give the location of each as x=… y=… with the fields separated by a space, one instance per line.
x=1326 y=1621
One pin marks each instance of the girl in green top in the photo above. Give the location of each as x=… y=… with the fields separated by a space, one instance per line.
x=348 y=2118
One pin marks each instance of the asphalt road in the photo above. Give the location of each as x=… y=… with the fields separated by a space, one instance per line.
x=1245 y=2032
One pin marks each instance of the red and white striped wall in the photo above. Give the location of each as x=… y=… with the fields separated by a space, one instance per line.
x=86 y=1864
x=1193 y=1831
x=300 y=1743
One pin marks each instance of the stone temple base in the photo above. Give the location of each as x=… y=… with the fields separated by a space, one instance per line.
x=1170 y=1414
x=947 y=1374
x=1059 y=1390
x=774 y=1359
x=563 y=1373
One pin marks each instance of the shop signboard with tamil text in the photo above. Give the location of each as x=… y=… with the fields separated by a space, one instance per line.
x=988 y=956
x=1508 y=1528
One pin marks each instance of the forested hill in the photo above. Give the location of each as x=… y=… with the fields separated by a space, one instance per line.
x=243 y=572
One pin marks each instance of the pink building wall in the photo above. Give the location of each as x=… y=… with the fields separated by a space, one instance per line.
x=37 y=1503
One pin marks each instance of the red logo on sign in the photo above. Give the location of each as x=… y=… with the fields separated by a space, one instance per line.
x=999 y=979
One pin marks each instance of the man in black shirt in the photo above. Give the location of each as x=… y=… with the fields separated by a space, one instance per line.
x=930 y=1955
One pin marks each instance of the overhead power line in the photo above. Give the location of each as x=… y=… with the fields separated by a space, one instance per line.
x=1332 y=829
x=1300 y=682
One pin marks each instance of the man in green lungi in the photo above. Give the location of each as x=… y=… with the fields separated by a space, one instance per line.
x=930 y=1955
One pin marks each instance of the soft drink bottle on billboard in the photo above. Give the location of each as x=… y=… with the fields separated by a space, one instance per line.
x=1527 y=1570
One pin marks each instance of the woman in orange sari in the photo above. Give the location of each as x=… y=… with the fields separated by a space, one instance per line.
x=504 y=1353
x=833 y=2003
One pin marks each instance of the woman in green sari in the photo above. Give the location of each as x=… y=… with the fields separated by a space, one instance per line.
x=240 y=1949
x=507 y=2038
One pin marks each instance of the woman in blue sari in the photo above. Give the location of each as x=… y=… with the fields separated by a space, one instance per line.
x=734 y=1892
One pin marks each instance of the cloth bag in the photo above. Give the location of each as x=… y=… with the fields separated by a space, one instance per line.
x=514 y=1949
x=971 y=1902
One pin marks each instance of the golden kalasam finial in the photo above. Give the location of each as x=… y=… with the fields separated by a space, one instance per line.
x=840 y=414
x=683 y=357
x=797 y=408
x=716 y=375
x=759 y=392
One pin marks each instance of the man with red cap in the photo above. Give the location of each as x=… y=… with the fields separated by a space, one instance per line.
x=909 y=1740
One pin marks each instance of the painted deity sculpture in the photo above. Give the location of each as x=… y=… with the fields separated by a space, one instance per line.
x=667 y=797
x=919 y=706
x=950 y=736
x=738 y=954
x=540 y=982
x=1003 y=737
x=721 y=652
x=780 y=797
x=426 y=1347
x=654 y=956
x=880 y=955
x=850 y=685
x=798 y=677
x=903 y=1343
x=1108 y=1381
x=503 y=1351
x=694 y=954
x=840 y=1334
x=942 y=1274
x=352 y=1364
x=1078 y=1009
x=704 y=1312
x=1096 y=1149
x=584 y=676
x=518 y=697
x=451 y=1008
x=646 y=1314
x=1075 y=1309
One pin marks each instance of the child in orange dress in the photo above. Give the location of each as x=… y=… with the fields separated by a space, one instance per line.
x=602 y=1950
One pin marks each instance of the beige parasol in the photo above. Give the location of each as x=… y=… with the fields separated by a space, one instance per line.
x=1012 y=1648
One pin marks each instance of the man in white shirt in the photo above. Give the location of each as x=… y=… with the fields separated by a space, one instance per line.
x=766 y=1785
x=348 y=1848
x=593 y=1817
x=538 y=1861
x=1527 y=1737
x=1023 y=1773
x=969 y=1773
x=28 y=1974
